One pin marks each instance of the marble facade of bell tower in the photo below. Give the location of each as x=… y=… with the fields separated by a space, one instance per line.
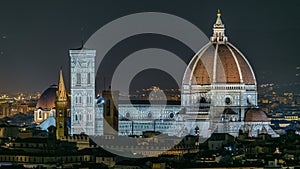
x=82 y=91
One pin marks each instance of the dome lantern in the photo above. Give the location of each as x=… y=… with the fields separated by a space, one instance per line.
x=219 y=30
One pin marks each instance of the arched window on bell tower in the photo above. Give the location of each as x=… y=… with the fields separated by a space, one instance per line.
x=88 y=78
x=78 y=79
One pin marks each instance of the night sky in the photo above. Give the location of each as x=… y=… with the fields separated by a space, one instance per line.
x=35 y=37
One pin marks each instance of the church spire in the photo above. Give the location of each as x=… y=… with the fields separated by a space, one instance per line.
x=61 y=108
x=219 y=30
x=61 y=94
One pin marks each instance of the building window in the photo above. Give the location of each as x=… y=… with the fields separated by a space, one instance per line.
x=76 y=117
x=87 y=100
x=40 y=114
x=78 y=79
x=228 y=101
x=88 y=78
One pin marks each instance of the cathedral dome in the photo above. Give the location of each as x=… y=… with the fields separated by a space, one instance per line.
x=256 y=115
x=47 y=99
x=219 y=62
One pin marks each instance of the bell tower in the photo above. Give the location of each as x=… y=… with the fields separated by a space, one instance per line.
x=82 y=91
x=61 y=106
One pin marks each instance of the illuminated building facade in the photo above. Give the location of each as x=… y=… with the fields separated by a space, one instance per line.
x=219 y=84
x=83 y=91
x=218 y=89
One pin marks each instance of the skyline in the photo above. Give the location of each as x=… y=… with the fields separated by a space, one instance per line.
x=149 y=84
x=34 y=47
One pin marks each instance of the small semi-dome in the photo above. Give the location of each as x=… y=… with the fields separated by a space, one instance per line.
x=256 y=115
x=229 y=111
x=47 y=99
